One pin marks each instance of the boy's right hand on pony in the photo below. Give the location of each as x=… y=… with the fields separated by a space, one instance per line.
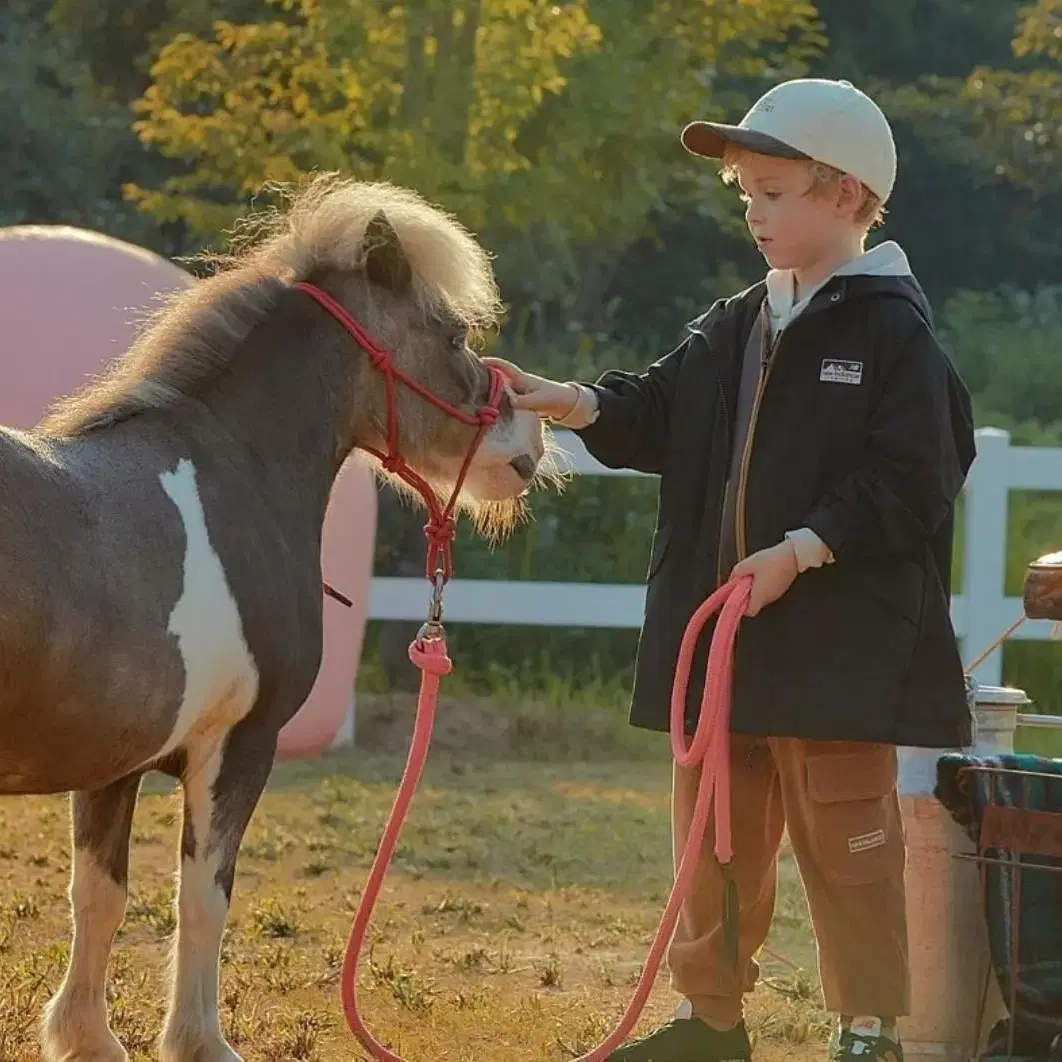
x=547 y=398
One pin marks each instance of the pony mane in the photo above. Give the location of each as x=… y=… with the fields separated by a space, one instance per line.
x=190 y=337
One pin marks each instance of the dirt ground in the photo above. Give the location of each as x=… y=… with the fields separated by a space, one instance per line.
x=522 y=902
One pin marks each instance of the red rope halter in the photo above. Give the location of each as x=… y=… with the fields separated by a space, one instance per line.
x=441 y=526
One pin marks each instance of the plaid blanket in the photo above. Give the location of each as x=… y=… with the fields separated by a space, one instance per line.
x=1023 y=913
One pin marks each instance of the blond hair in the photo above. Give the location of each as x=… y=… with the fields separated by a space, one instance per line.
x=824 y=178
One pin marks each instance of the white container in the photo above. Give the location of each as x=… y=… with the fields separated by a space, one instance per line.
x=945 y=920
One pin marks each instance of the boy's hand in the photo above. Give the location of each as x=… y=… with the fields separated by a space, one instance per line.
x=773 y=572
x=545 y=397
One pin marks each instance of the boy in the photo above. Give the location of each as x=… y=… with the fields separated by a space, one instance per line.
x=808 y=432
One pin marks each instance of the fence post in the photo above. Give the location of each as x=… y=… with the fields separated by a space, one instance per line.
x=985 y=552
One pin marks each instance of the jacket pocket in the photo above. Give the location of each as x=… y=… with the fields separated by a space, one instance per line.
x=854 y=820
x=661 y=540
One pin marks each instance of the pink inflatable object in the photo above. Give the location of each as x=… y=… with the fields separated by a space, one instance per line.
x=346 y=557
x=70 y=301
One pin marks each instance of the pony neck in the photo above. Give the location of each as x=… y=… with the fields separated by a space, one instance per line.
x=290 y=395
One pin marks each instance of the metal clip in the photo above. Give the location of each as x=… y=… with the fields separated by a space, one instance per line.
x=433 y=627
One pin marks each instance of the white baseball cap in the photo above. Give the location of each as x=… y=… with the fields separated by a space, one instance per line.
x=810 y=118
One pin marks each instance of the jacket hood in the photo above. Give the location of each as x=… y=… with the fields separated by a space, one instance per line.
x=883 y=270
x=886 y=263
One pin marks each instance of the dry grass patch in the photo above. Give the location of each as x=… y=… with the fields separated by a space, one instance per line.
x=521 y=905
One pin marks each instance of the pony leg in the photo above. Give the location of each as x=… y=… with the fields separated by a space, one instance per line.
x=222 y=785
x=75 y=1026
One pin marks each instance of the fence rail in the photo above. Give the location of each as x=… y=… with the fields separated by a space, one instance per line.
x=980 y=612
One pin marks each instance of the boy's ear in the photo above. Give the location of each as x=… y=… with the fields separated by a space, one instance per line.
x=849 y=194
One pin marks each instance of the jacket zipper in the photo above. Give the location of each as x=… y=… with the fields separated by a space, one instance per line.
x=726 y=494
x=746 y=454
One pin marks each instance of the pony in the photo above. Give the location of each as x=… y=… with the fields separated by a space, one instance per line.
x=160 y=545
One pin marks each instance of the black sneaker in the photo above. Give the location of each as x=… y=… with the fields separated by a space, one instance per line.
x=864 y=1043
x=688 y=1040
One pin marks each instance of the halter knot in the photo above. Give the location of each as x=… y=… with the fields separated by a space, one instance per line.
x=441 y=528
x=381 y=359
x=440 y=533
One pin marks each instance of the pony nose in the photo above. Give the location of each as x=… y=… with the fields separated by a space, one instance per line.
x=524 y=466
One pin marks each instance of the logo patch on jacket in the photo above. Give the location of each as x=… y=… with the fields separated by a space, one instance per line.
x=834 y=370
x=865 y=841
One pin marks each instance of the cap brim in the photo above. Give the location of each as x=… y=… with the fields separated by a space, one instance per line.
x=710 y=139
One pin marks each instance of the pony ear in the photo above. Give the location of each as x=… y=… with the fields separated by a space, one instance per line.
x=386 y=263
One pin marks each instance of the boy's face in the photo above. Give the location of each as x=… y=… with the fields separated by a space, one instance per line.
x=793 y=226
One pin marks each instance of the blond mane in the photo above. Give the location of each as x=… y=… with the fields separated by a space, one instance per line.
x=190 y=338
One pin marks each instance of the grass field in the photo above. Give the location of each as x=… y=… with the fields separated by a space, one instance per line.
x=523 y=899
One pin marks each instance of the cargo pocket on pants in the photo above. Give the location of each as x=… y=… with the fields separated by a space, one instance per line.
x=855 y=826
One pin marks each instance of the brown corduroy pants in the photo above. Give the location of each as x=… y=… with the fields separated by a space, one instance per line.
x=839 y=802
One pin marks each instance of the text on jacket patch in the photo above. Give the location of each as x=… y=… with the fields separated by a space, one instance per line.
x=834 y=370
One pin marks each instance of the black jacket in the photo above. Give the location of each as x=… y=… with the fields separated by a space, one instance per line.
x=859 y=650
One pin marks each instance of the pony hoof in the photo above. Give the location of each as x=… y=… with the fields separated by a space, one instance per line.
x=64 y=1039
x=108 y=1052
x=205 y=1051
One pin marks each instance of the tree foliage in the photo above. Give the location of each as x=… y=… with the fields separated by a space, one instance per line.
x=519 y=115
x=1019 y=112
x=1006 y=345
x=1003 y=123
x=62 y=140
x=431 y=95
x=116 y=39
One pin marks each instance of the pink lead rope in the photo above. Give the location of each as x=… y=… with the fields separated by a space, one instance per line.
x=710 y=749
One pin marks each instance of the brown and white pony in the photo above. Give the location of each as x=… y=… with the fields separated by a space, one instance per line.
x=160 y=544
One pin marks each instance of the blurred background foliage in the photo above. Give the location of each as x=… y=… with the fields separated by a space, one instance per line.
x=550 y=128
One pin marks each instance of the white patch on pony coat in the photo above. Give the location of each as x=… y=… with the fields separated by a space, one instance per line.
x=491 y=476
x=520 y=436
x=220 y=675
x=75 y=1020
x=193 y=1026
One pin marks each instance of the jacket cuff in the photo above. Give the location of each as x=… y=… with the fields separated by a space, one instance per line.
x=810 y=550
x=584 y=410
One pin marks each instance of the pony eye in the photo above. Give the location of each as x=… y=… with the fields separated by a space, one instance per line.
x=460 y=342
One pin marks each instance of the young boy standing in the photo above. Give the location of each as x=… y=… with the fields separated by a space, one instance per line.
x=808 y=432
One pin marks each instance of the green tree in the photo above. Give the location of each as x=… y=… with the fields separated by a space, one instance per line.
x=118 y=39
x=66 y=147
x=431 y=95
x=1006 y=344
x=551 y=127
x=1017 y=114
x=1003 y=122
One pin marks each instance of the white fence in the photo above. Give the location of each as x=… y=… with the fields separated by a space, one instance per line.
x=981 y=611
